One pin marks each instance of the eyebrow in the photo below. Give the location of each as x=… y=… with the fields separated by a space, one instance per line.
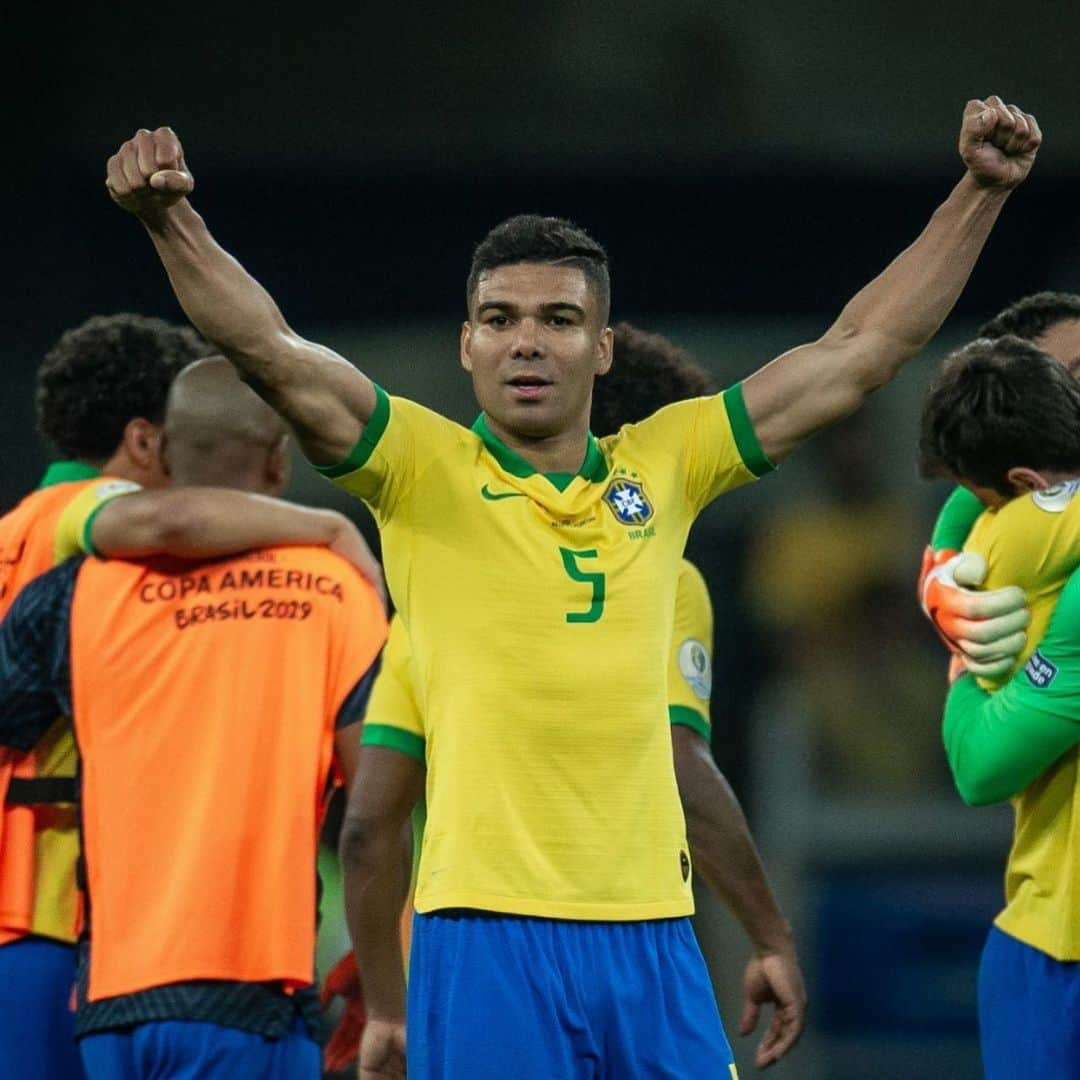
x=506 y=305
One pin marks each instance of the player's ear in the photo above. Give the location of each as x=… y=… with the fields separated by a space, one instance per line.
x=142 y=442
x=605 y=351
x=1024 y=479
x=466 y=345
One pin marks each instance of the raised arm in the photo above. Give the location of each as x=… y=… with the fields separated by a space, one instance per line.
x=204 y=522
x=891 y=319
x=322 y=396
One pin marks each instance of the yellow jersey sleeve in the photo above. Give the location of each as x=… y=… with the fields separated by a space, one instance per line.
x=1033 y=541
x=690 y=658
x=75 y=525
x=393 y=717
x=708 y=442
x=400 y=441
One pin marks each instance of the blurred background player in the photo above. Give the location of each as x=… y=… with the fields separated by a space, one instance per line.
x=101 y=394
x=204 y=698
x=648 y=372
x=1003 y=418
x=520 y=713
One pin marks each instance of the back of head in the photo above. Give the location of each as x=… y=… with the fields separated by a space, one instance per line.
x=1030 y=317
x=532 y=238
x=110 y=370
x=219 y=432
x=648 y=372
x=998 y=405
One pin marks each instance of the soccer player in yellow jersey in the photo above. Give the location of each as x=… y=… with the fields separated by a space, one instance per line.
x=535 y=568
x=648 y=372
x=1003 y=418
x=986 y=626
x=101 y=393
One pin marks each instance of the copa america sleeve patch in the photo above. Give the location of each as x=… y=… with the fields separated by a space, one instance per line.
x=1040 y=672
x=696 y=667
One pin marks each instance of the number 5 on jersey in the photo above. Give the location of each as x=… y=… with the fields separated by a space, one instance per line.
x=596 y=580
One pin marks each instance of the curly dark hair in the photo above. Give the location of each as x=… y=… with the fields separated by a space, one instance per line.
x=995 y=405
x=1032 y=316
x=531 y=238
x=647 y=372
x=106 y=372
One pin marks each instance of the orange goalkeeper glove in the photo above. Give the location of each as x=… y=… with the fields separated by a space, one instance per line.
x=985 y=629
x=343 y=980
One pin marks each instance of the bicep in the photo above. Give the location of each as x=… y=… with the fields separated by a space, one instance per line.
x=386 y=787
x=326 y=400
x=809 y=388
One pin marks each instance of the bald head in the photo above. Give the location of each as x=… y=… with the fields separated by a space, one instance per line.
x=219 y=432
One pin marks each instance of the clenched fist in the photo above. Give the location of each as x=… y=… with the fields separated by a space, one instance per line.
x=147 y=174
x=998 y=142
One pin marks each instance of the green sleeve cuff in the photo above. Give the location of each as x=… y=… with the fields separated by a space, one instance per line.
x=954 y=523
x=87 y=539
x=742 y=427
x=395 y=738
x=364 y=448
x=691 y=718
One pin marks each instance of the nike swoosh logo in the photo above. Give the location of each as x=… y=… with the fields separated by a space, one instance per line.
x=495 y=496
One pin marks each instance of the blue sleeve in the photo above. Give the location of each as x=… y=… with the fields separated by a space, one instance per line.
x=35 y=658
x=354 y=707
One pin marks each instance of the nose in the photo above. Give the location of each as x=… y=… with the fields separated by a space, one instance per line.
x=526 y=342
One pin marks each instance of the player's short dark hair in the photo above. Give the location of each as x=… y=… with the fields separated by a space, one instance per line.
x=1032 y=316
x=996 y=405
x=532 y=238
x=110 y=370
x=647 y=373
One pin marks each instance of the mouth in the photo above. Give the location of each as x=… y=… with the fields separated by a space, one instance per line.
x=527 y=387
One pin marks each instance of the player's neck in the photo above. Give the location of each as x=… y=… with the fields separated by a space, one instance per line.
x=561 y=453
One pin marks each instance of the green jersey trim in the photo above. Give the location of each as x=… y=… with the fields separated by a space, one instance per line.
x=742 y=427
x=394 y=738
x=691 y=718
x=363 y=450
x=88 y=528
x=64 y=472
x=593 y=468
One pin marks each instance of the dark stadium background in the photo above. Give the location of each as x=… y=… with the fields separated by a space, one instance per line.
x=748 y=167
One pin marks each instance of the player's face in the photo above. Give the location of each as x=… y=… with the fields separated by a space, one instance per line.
x=1062 y=342
x=533 y=344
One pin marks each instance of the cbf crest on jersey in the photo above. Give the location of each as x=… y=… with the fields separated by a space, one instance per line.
x=628 y=502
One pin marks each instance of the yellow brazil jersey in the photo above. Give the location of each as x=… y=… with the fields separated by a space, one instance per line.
x=539 y=610
x=1034 y=542
x=39 y=840
x=393 y=718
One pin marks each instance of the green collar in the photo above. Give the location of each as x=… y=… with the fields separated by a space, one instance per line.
x=64 y=472
x=593 y=468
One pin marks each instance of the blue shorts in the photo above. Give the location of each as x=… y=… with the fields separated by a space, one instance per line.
x=1029 y=1012
x=193 y=1050
x=37 y=1026
x=531 y=999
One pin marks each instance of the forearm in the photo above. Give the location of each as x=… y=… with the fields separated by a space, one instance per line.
x=324 y=398
x=882 y=327
x=954 y=523
x=375 y=878
x=906 y=304
x=722 y=848
x=207 y=522
x=997 y=744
